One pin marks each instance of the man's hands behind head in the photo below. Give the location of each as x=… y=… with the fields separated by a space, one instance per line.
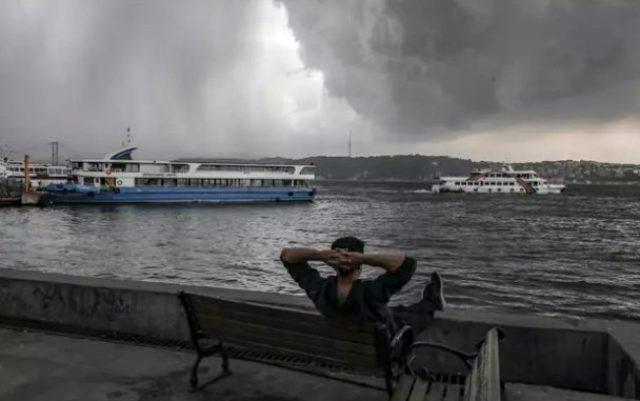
x=343 y=261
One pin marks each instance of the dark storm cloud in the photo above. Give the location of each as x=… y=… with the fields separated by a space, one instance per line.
x=429 y=67
x=180 y=74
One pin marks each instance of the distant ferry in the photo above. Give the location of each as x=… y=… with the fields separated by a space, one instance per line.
x=504 y=180
x=119 y=179
x=40 y=174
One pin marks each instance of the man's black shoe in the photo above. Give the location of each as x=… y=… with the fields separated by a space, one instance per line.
x=434 y=292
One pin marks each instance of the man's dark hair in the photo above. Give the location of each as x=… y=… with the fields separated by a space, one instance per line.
x=352 y=244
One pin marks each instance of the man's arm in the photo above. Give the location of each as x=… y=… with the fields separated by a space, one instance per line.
x=399 y=270
x=296 y=261
x=303 y=255
x=389 y=262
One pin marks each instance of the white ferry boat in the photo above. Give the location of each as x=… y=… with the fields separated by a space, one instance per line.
x=503 y=180
x=40 y=174
x=118 y=179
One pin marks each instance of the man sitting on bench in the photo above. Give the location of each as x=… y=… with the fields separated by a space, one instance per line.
x=346 y=295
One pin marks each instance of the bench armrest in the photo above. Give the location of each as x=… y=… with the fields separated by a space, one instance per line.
x=464 y=357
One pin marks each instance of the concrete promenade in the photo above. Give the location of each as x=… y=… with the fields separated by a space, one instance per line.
x=592 y=356
x=37 y=366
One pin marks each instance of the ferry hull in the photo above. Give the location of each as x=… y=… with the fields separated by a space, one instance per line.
x=184 y=195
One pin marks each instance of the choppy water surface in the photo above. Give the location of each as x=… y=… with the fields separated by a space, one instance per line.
x=576 y=254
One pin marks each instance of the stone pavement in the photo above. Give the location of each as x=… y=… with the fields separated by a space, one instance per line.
x=41 y=366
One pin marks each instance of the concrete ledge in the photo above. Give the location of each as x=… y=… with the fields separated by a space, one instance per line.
x=598 y=356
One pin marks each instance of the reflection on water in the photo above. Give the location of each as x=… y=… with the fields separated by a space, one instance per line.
x=576 y=254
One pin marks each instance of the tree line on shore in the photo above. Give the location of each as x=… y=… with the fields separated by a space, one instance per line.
x=427 y=168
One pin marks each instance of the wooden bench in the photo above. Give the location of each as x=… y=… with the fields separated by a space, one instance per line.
x=291 y=337
x=482 y=382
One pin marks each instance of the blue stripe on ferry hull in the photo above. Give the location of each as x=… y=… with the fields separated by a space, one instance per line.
x=187 y=194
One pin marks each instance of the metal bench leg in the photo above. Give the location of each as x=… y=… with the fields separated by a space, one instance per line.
x=225 y=361
x=194 y=372
x=390 y=382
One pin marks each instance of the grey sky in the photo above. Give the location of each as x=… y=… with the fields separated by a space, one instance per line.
x=486 y=79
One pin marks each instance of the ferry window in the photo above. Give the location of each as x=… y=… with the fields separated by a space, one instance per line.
x=307 y=170
x=511 y=189
x=132 y=168
x=179 y=168
x=169 y=182
x=286 y=183
x=489 y=190
x=457 y=182
x=535 y=183
x=194 y=182
x=183 y=182
x=92 y=166
x=499 y=189
x=88 y=180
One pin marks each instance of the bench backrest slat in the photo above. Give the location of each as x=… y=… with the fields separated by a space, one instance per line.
x=301 y=320
x=234 y=331
x=288 y=331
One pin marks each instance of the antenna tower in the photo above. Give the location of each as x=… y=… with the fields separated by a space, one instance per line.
x=127 y=138
x=55 y=152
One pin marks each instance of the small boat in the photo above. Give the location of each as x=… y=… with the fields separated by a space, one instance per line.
x=117 y=178
x=502 y=180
